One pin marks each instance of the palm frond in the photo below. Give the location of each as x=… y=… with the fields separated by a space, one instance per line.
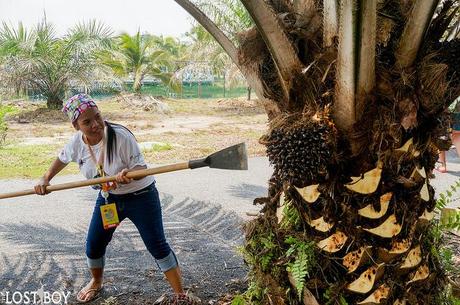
x=283 y=53
x=330 y=22
x=367 y=45
x=414 y=30
x=344 y=105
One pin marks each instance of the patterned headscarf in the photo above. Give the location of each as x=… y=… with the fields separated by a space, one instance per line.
x=78 y=104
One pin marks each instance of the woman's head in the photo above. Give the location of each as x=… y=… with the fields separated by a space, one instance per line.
x=84 y=115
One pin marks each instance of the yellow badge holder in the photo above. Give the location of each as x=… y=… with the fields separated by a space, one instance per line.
x=108 y=210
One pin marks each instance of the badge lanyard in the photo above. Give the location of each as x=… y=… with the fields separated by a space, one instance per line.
x=108 y=211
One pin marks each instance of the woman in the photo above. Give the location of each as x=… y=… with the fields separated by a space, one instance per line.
x=455 y=137
x=103 y=148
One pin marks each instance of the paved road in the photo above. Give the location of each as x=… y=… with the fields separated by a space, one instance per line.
x=42 y=238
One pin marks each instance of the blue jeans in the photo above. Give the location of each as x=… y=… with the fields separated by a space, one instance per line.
x=144 y=210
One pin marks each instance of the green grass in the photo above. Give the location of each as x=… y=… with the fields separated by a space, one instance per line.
x=191 y=106
x=4 y=110
x=157 y=147
x=29 y=161
x=189 y=91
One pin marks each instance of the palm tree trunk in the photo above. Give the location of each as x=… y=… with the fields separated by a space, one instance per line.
x=137 y=82
x=53 y=102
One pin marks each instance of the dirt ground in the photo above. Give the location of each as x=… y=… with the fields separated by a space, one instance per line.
x=181 y=130
x=183 y=116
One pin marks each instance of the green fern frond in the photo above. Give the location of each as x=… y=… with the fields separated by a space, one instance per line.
x=446 y=197
x=304 y=260
x=291 y=216
x=299 y=270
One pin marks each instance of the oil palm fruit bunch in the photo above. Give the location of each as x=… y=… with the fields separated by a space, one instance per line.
x=301 y=147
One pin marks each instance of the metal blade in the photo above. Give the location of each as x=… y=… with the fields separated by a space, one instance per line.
x=233 y=157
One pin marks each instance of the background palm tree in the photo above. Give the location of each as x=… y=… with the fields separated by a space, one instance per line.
x=232 y=18
x=39 y=60
x=140 y=55
x=355 y=91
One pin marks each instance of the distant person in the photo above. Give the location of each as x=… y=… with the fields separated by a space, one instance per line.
x=455 y=136
x=102 y=148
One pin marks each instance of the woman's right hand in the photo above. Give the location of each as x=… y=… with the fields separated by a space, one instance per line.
x=40 y=187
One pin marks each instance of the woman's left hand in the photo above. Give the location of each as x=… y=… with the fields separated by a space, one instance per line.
x=121 y=177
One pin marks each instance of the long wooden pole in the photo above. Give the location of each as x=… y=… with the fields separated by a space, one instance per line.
x=133 y=175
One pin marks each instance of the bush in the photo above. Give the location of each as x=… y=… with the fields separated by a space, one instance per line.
x=3 y=126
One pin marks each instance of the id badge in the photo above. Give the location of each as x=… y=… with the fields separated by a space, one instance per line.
x=109 y=216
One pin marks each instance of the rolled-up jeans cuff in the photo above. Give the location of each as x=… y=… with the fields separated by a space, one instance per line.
x=167 y=263
x=96 y=262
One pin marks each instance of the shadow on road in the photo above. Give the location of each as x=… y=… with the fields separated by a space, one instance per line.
x=247 y=191
x=203 y=235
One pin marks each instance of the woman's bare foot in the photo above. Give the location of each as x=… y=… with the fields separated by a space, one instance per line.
x=442 y=168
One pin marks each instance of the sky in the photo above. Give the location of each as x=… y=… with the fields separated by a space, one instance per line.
x=159 y=17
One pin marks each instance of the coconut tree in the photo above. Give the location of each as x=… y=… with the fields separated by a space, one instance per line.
x=232 y=18
x=355 y=93
x=137 y=56
x=174 y=46
x=41 y=61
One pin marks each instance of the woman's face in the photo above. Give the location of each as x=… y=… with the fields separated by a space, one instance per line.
x=90 y=123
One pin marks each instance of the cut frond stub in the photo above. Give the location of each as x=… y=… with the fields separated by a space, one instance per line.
x=421 y=274
x=409 y=147
x=413 y=259
x=355 y=259
x=368 y=183
x=387 y=229
x=424 y=193
x=418 y=174
x=366 y=280
x=280 y=209
x=397 y=248
x=321 y=225
x=369 y=211
x=377 y=297
x=333 y=243
x=309 y=193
